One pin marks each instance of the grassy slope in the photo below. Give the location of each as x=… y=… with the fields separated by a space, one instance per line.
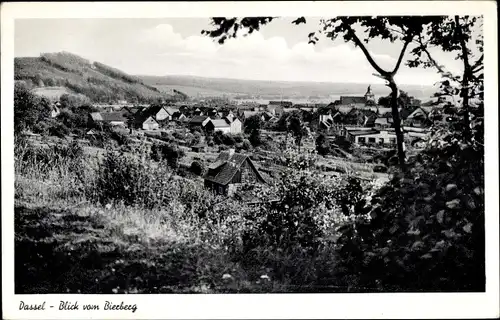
x=76 y=247
x=84 y=77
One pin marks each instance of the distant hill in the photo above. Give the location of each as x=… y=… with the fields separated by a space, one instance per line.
x=63 y=72
x=274 y=89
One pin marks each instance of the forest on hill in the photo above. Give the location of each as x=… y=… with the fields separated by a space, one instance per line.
x=97 y=81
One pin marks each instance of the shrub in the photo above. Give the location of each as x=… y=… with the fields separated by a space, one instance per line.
x=197 y=168
x=228 y=140
x=422 y=225
x=131 y=180
x=246 y=145
x=59 y=130
x=172 y=154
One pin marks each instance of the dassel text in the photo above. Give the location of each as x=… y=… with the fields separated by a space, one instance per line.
x=70 y=306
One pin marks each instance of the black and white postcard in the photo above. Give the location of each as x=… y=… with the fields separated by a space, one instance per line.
x=249 y=160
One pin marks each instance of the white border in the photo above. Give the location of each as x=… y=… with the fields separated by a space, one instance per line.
x=475 y=305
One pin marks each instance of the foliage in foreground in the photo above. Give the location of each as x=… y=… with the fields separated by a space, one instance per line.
x=423 y=230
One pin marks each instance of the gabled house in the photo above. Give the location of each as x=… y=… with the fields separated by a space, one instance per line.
x=133 y=110
x=178 y=116
x=112 y=118
x=382 y=123
x=198 y=112
x=158 y=112
x=419 y=117
x=146 y=122
x=229 y=171
x=199 y=121
x=235 y=125
x=171 y=112
x=218 y=125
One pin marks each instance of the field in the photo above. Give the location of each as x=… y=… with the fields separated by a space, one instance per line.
x=53 y=93
x=275 y=89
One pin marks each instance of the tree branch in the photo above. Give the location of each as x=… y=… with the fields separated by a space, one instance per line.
x=439 y=68
x=360 y=44
x=401 y=54
x=477 y=64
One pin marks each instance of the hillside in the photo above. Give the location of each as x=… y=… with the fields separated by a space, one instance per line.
x=273 y=89
x=64 y=72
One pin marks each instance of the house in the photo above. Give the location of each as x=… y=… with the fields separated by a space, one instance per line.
x=247 y=114
x=178 y=116
x=198 y=112
x=199 y=121
x=360 y=117
x=382 y=123
x=276 y=107
x=267 y=116
x=228 y=115
x=133 y=110
x=372 y=136
x=419 y=117
x=229 y=171
x=112 y=118
x=158 y=112
x=236 y=125
x=358 y=101
x=146 y=122
x=218 y=125
x=171 y=111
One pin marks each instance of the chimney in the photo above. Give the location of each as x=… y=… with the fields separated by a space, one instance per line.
x=231 y=152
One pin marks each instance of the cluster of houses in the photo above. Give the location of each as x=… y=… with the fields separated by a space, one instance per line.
x=359 y=118
x=363 y=122
x=155 y=116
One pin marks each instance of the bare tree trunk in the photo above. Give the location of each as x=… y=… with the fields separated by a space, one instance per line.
x=389 y=77
x=397 y=124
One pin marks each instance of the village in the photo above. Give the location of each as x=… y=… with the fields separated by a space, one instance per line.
x=220 y=137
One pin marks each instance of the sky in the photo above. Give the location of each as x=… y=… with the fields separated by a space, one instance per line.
x=175 y=46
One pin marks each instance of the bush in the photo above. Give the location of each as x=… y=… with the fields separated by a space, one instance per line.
x=424 y=229
x=228 y=140
x=197 y=168
x=59 y=130
x=172 y=154
x=131 y=180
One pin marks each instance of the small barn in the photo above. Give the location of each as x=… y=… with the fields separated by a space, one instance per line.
x=229 y=171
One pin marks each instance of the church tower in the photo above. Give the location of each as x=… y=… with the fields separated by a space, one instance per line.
x=369 y=96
